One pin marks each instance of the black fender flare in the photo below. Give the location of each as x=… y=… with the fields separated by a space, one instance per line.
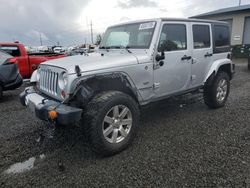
x=85 y=90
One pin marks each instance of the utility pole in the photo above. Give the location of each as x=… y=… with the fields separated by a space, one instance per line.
x=41 y=42
x=91 y=31
x=239 y=2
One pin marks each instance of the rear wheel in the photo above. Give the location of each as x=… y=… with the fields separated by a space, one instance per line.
x=215 y=94
x=111 y=122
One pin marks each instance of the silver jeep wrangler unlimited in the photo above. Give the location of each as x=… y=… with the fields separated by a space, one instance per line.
x=137 y=63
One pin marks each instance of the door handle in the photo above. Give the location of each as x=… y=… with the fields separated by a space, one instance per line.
x=185 y=57
x=208 y=54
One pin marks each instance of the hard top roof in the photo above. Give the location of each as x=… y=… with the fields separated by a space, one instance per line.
x=170 y=19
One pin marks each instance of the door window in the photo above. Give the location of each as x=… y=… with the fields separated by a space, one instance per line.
x=173 y=37
x=221 y=35
x=12 y=50
x=201 y=36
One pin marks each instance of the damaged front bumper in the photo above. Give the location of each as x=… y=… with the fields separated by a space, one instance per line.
x=42 y=106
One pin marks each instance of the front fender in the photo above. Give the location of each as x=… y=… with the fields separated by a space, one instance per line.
x=215 y=67
x=86 y=86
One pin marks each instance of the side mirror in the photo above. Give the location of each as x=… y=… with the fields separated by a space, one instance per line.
x=160 y=57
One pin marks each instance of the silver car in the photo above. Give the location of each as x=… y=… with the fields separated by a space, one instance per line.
x=137 y=63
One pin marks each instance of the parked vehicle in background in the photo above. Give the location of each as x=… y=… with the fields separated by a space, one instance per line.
x=137 y=63
x=9 y=75
x=27 y=62
x=58 y=50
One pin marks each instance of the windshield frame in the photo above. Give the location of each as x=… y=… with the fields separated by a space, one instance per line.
x=129 y=46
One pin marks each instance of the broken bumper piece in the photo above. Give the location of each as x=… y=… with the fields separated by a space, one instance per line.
x=42 y=106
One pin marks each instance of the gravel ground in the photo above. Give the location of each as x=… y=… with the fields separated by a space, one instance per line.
x=181 y=143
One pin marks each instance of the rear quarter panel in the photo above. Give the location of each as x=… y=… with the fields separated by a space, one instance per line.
x=216 y=65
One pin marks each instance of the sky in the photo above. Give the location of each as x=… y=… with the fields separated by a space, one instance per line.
x=67 y=22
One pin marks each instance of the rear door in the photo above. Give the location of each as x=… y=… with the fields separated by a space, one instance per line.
x=202 y=52
x=172 y=74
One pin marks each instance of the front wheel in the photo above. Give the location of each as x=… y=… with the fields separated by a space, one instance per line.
x=111 y=122
x=216 y=94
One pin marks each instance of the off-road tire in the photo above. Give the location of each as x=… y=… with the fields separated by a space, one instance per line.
x=93 y=119
x=210 y=91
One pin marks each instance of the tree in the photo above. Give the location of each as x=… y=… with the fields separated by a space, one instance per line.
x=98 y=39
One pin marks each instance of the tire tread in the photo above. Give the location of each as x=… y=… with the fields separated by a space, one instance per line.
x=210 y=91
x=91 y=116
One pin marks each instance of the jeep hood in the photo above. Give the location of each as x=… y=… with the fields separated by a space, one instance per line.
x=94 y=61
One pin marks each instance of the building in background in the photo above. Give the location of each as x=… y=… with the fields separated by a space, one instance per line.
x=238 y=19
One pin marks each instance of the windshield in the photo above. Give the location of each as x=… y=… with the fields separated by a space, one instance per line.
x=4 y=57
x=137 y=35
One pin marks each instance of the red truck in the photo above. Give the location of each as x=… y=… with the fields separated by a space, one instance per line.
x=27 y=62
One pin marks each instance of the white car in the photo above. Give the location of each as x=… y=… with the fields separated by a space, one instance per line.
x=137 y=63
x=58 y=50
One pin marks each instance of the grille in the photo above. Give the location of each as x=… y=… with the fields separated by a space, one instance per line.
x=48 y=81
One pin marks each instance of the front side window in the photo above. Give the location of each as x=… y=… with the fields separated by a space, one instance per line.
x=137 y=35
x=221 y=35
x=201 y=36
x=173 y=37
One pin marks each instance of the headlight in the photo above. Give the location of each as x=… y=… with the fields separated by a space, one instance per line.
x=63 y=80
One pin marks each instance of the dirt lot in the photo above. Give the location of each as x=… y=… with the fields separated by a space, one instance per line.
x=181 y=143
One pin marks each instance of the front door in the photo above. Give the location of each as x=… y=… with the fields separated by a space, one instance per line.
x=172 y=74
x=202 y=52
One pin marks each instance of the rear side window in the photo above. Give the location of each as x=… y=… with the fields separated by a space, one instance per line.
x=12 y=50
x=221 y=36
x=173 y=37
x=201 y=36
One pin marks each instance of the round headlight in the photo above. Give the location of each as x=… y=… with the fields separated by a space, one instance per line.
x=63 y=80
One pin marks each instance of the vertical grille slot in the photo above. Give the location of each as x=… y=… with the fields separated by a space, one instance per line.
x=48 y=81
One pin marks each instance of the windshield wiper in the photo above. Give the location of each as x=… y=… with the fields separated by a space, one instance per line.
x=127 y=48
x=121 y=47
x=105 y=47
x=116 y=47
